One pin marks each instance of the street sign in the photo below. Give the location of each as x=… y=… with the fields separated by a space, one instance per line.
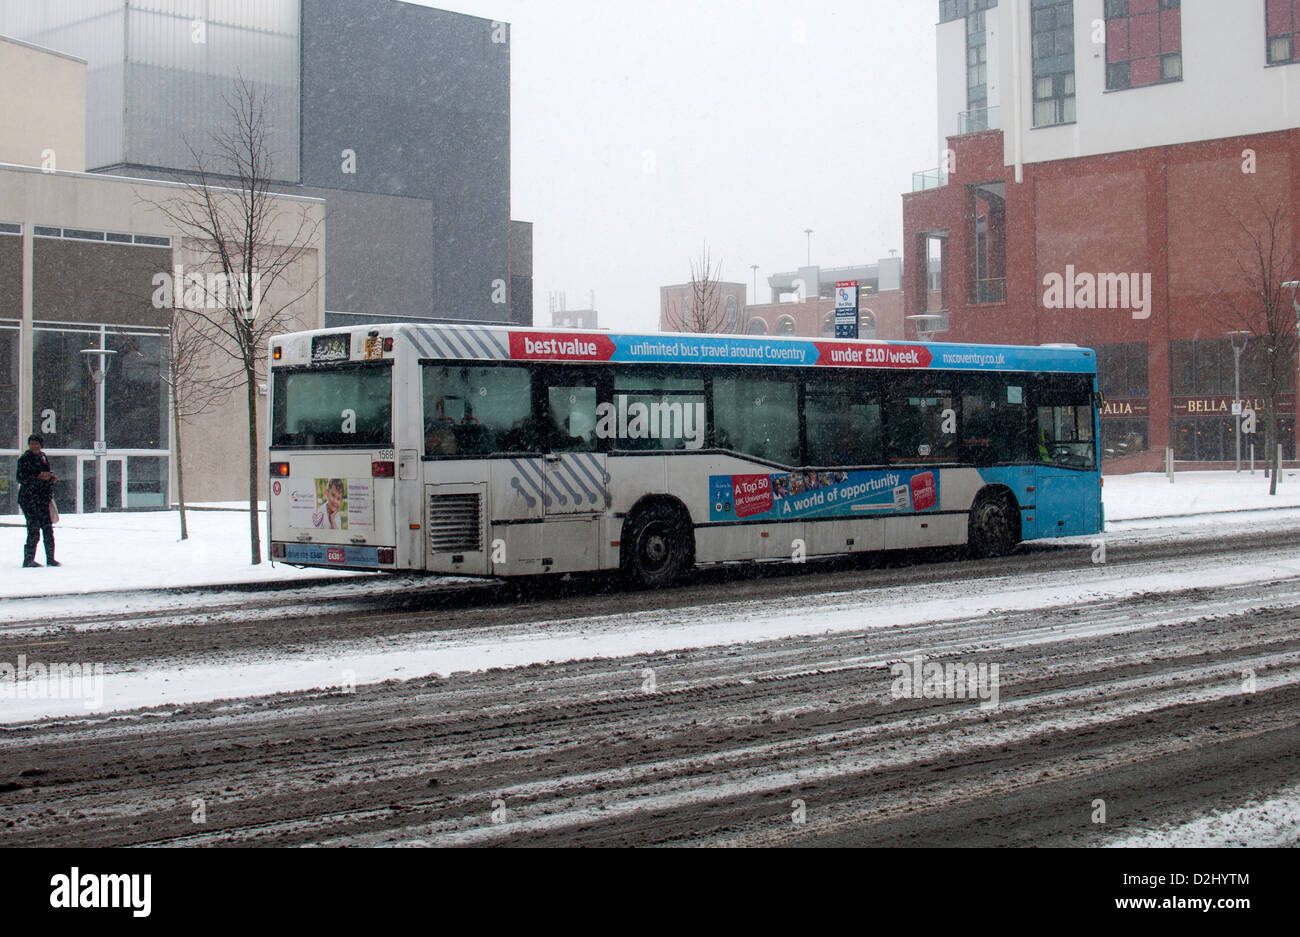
x=101 y=447
x=1236 y=408
x=846 y=309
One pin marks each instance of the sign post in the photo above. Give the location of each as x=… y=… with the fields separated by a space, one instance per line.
x=846 y=309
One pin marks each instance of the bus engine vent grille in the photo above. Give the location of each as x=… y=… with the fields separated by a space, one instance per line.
x=455 y=524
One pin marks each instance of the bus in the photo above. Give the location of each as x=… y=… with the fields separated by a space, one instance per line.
x=499 y=451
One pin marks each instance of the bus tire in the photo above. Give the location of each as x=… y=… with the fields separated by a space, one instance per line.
x=658 y=544
x=992 y=530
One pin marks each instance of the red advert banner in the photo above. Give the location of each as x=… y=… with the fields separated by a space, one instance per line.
x=560 y=347
x=751 y=494
x=835 y=354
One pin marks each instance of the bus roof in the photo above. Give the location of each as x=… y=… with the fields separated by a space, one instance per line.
x=511 y=343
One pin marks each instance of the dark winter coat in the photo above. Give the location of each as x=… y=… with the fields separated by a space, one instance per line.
x=33 y=492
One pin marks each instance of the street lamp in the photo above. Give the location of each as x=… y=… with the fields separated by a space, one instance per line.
x=754 y=267
x=926 y=325
x=97 y=364
x=809 y=232
x=1236 y=383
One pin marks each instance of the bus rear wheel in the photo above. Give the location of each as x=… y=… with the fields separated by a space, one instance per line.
x=992 y=527
x=659 y=546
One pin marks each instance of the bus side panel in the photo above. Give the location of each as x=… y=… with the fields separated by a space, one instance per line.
x=1069 y=503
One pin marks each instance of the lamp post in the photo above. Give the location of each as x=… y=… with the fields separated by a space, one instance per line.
x=754 y=267
x=97 y=364
x=925 y=324
x=1236 y=383
x=809 y=233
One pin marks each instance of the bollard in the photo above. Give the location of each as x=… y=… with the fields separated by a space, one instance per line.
x=1169 y=464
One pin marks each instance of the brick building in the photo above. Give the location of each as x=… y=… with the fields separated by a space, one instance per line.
x=1104 y=164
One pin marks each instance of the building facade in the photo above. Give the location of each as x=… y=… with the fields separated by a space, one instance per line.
x=803 y=302
x=398 y=115
x=80 y=254
x=1107 y=169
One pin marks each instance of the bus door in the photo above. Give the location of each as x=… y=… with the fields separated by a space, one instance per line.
x=1066 y=501
x=573 y=466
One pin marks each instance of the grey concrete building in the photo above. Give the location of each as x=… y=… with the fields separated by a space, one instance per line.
x=397 y=115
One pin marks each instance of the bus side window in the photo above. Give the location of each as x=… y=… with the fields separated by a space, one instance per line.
x=843 y=422
x=922 y=424
x=993 y=421
x=1064 y=431
x=476 y=410
x=572 y=424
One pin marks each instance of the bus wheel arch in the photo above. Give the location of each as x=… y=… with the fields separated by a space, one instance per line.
x=657 y=545
x=994 y=526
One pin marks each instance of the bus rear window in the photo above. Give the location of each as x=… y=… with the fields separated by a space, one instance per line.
x=326 y=407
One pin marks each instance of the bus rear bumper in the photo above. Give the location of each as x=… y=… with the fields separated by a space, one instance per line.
x=334 y=555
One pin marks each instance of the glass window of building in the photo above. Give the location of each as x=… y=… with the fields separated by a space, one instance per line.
x=1282 y=24
x=63 y=395
x=135 y=393
x=1144 y=42
x=1052 y=25
x=10 y=348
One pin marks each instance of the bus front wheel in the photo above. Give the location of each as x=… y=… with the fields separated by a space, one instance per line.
x=992 y=527
x=659 y=546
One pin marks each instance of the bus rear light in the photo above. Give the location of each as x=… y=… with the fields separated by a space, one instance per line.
x=280 y=469
x=388 y=344
x=382 y=469
x=277 y=551
x=415 y=526
x=277 y=354
x=386 y=555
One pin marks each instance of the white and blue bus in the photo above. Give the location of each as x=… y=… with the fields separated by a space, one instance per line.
x=499 y=451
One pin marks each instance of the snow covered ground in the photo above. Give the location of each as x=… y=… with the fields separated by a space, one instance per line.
x=109 y=559
x=132 y=551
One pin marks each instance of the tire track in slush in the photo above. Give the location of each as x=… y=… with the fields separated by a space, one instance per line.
x=576 y=753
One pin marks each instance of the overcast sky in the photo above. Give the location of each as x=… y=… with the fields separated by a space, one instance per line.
x=642 y=130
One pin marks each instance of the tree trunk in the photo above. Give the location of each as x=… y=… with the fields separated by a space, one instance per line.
x=254 y=535
x=1272 y=448
x=180 y=464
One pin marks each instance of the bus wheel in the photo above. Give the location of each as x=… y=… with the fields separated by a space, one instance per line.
x=992 y=527
x=659 y=545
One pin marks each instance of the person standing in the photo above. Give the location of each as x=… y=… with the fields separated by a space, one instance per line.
x=36 y=484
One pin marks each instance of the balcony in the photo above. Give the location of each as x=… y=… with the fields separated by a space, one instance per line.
x=988 y=291
x=982 y=118
x=935 y=178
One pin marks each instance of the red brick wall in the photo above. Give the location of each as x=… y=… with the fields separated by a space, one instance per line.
x=1174 y=212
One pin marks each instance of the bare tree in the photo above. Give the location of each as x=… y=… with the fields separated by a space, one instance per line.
x=195 y=379
x=245 y=240
x=703 y=310
x=1261 y=307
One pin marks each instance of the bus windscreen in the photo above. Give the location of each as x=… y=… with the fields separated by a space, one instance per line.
x=332 y=407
